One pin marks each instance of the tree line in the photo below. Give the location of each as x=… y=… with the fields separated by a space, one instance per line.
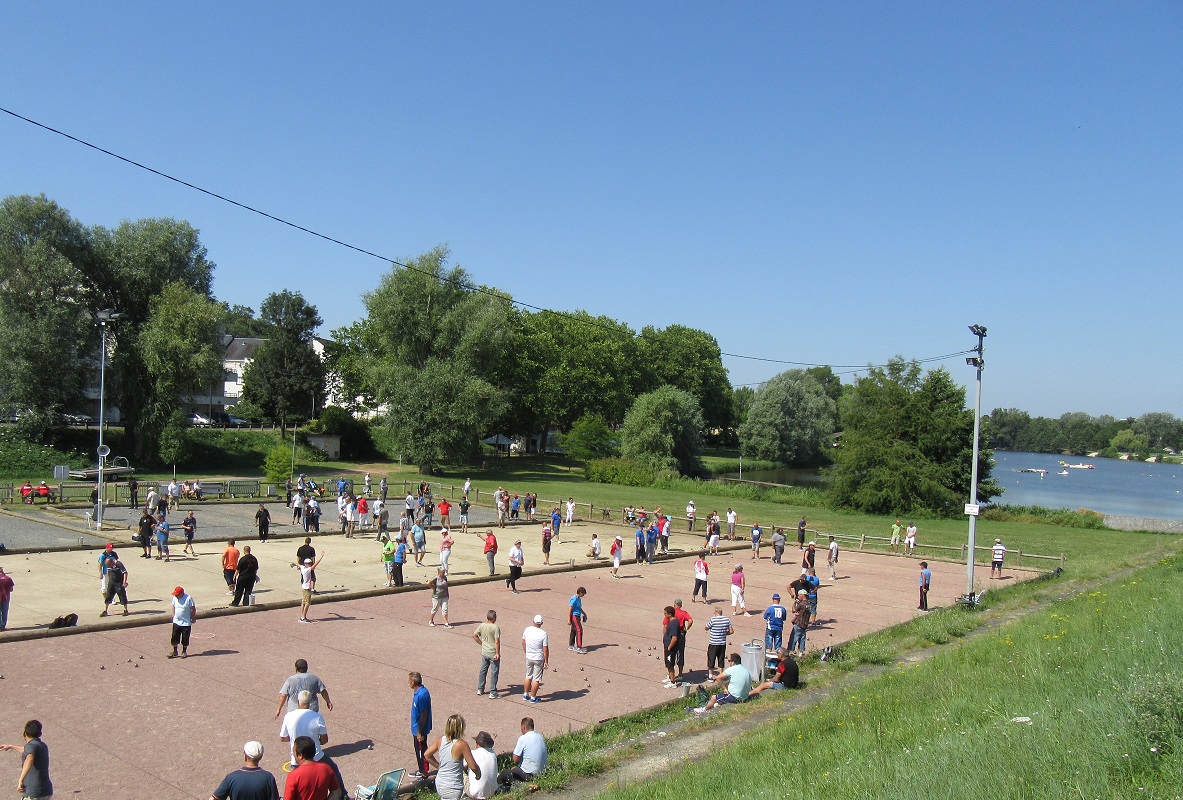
x=1078 y=433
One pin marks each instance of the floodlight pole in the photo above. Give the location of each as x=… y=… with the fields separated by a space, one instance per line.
x=103 y=317
x=972 y=508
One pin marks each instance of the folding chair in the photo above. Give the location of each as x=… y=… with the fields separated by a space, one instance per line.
x=385 y=789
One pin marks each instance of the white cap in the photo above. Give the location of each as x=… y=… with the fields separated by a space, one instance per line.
x=253 y=750
x=537 y=619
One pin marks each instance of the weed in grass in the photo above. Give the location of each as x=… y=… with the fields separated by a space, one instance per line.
x=873 y=648
x=1157 y=702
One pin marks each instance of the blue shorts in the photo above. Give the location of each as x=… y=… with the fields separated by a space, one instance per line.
x=776 y=686
x=725 y=699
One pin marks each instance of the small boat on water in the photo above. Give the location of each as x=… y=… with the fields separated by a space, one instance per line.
x=1063 y=472
x=1078 y=466
x=1039 y=472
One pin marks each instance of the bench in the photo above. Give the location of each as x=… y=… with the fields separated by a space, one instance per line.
x=971 y=600
x=213 y=489
x=241 y=488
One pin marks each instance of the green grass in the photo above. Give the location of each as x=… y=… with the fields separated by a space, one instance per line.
x=1067 y=702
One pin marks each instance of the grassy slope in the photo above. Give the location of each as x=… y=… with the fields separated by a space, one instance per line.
x=1093 y=673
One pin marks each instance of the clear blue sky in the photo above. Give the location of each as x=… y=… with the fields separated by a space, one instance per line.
x=818 y=184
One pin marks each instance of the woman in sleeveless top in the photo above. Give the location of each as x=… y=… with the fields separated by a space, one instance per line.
x=449 y=755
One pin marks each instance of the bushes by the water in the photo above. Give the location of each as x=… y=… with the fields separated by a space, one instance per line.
x=1047 y=516
x=620 y=471
x=726 y=466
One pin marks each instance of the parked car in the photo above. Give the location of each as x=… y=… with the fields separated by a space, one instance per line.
x=227 y=420
x=195 y=420
x=77 y=419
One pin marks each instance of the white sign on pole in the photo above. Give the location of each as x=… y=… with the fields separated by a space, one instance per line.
x=972 y=509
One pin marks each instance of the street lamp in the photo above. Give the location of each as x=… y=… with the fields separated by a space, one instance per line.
x=972 y=508
x=104 y=317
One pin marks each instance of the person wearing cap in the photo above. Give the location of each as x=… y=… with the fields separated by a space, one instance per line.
x=738 y=584
x=307 y=581
x=774 y=624
x=536 y=646
x=446 y=542
x=809 y=557
x=786 y=675
x=517 y=559
x=483 y=786
x=184 y=613
x=997 y=553
x=250 y=781
x=615 y=551
x=800 y=621
x=116 y=580
x=691 y=511
x=301 y=680
x=109 y=550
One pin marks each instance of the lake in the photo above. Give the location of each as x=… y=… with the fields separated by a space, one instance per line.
x=1128 y=488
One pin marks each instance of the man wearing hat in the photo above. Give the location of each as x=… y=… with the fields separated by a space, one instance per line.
x=248 y=782
x=537 y=649
x=997 y=553
x=184 y=612
x=307 y=579
x=485 y=786
x=800 y=623
x=615 y=551
x=774 y=621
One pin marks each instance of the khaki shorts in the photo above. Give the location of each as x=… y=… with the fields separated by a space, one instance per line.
x=306 y=596
x=533 y=670
x=438 y=605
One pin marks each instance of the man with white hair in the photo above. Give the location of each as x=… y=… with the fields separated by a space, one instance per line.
x=248 y=782
x=304 y=722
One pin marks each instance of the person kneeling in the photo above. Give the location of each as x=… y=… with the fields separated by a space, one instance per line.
x=738 y=685
x=529 y=756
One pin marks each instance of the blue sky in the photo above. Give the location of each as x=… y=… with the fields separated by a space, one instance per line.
x=817 y=184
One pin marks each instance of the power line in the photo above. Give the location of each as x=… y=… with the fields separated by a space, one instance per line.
x=397 y=263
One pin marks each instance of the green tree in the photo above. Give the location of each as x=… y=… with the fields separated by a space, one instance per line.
x=590 y=438
x=663 y=430
x=1161 y=430
x=689 y=359
x=133 y=265
x=1006 y=427
x=1128 y=441
x=286 y=377
x=436 y=343
x=181 y=345
x=242 y=323
x=907 y=445
x=790 y=420
x=49 y=338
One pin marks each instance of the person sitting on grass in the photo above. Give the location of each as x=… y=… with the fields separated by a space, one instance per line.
x=738 y=685
x=529 y=757
x=786 y=676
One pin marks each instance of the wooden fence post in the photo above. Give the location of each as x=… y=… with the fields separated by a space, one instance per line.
x=862 y=540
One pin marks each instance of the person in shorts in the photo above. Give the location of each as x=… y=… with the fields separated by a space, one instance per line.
x=615 y=551
x=757 y=538
x=419 y=542
x=736 y=683
x=785 y=676
x=115 y=576
x=701 y=570
x=189 y=526
x=464 y=506
x=997 y=554
x=161 y=528
x=910 y=539
x=896 y=530
x=307 y=580
x=146 y=524
x=439 y=597
x=536 y=646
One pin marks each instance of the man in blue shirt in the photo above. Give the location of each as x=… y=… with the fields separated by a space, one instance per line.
x=774 y=618
x=400 y=558
x=420 y=723
x=577 y=618
x=249 y=782
x=739 y=685
x=651 y=542
x=529 y=757
x=556 y=521
x=757 y=537
x=640 y=544
x=925 y=585
x=811 y=584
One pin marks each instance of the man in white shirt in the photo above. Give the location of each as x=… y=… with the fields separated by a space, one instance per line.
x=732 y=518
x=537 y=649
x=832 y=561
x=691 y=510
x=910 y=539
x=184 y=613
x=306 y=722
x=570 y=518
x=486 y=786
x=997 y=553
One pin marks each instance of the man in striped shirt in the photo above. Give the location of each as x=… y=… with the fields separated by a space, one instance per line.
x=718 y=629
x=998 y=552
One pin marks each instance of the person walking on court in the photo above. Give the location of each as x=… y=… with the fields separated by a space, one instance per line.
x=701 y=571
x=439 y=597
x=536 y=646
x=302 y=679
x=184 y=614
x=263 y=521
x=517 y=560
x=245 y=574
x=616 y=551
x=832 y=559
x=739 y=606
x=230 y=558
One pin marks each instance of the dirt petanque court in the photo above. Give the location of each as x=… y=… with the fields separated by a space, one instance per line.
x=123 y=721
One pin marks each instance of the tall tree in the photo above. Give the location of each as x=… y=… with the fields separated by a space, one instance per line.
x=48 y=335
x=689 y=359
x=664 y=430
x=181 y=343
x=907 y=445
x=286 y=377
x=436 y=341
x=132 y=265
x=242 y=323
x=790 y=421
x=1161 y=430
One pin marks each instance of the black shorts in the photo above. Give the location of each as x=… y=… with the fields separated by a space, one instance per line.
x=546 y=545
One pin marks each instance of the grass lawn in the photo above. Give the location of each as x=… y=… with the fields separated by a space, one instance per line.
x=1082 y=699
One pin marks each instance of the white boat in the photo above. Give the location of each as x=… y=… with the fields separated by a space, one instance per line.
x=1077 y=466
x=1039 y=472
x=1062 y=472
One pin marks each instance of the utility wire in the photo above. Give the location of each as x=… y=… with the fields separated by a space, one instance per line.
x=397 y=263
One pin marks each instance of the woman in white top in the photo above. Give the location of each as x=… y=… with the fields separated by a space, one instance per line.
x=449 y=755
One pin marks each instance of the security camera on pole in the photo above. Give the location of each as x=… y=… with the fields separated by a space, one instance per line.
x=971 y=508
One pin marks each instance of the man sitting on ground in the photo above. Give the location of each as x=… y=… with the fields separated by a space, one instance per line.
x=786 y=676
x=738 y=685
x=529 y=757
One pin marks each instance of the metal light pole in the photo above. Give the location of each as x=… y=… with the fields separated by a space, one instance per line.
x=972 y=508
x=104 y=317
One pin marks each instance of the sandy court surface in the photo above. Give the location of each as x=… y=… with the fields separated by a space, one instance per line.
x=124 y=721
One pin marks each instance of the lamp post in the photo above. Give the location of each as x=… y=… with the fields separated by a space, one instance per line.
x=972 y=508
x=104 y=317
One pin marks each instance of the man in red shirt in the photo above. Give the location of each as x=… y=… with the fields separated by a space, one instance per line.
x=685 y=623
x=445 y=508
x=310 y=780
x=490 y=550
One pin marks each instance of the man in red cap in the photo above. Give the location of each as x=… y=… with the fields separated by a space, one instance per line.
x=184 y=612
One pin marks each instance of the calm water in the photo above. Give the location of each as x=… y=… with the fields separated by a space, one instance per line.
x=1130 y=488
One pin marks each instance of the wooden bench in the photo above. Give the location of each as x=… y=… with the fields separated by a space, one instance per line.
x=213 y=489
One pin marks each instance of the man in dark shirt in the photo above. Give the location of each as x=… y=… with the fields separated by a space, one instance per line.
x=263 y=520
x=248 y=782
x=34 y=778
x=245 y=576
x=145 y=533
x=303 y=553
x=671 y=637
